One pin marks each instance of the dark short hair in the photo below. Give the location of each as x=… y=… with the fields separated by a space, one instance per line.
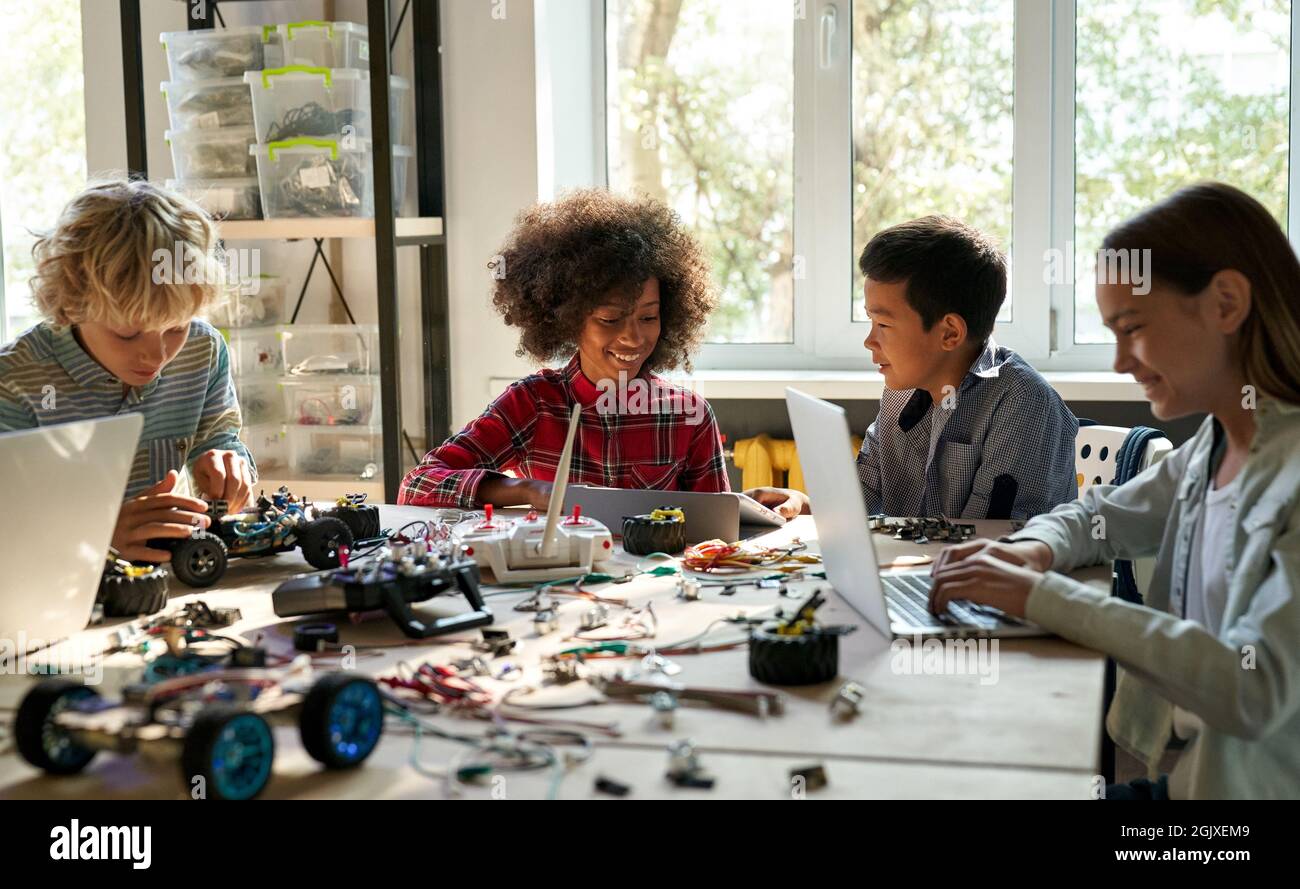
x=947 y=266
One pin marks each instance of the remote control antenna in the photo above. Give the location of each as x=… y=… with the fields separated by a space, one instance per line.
x=546 y=547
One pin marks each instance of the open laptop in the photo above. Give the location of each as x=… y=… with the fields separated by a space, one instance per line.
x=64 y=486
x=709 y=516
x=896 y=604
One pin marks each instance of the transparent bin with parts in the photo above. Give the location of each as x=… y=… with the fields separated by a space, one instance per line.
x=256 y=351
x=220 y=52
x=208 y=104
x=334 y=451
x=222 y=198
x=315 y=350
x=325 y=44
x=220 y=153
x=261 y=401
x=269 y=445
x=308 y=177
x=256 y=302
x=351 y=400
x=305 y=100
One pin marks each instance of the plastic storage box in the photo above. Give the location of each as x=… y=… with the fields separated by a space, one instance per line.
x=330 y=350
x=332 y=401
x=256 y=350
x=208 y=104
x=334 y=451
x=261 y=401
x=310 y=177
x=300 y=100
x=325 y=44
x=222 y=198
x=258 y=302
x=220 y=153
x=269 y=444
x=219 y=52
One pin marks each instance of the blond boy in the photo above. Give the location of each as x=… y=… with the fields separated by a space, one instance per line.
x=120 y=334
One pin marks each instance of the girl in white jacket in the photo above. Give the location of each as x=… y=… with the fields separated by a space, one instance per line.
x=1213 y=654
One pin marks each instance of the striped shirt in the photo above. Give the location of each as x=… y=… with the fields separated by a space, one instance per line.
x=1005 y=449
x=46 y=377
x=667 y=440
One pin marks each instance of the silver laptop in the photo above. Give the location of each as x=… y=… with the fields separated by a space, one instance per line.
x=896 y=604
x=708 y=515
x=66 y=482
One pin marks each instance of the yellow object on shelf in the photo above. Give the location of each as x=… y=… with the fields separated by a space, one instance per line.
x=764 y=461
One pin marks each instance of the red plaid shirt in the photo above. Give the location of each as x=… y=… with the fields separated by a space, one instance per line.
x=667 y=440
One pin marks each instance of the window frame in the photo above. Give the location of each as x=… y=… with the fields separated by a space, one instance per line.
x=1042 y=323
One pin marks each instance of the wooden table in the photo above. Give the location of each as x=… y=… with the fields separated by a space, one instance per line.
x=1032 y=733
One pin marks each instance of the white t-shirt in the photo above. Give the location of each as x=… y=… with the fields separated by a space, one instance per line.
x=1207 y=576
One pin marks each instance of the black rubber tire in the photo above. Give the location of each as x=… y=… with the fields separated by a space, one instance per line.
x=124 y=596
x=196 y=753
x=199 y=561
x=792 y=660
x=313 y=720
x=320 y=541
x=642 y=536
x=362 y=521
x=32 y=728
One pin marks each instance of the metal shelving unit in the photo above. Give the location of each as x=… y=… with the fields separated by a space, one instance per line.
x=389 y=232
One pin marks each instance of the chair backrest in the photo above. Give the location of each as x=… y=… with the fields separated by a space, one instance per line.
x=1095 y=451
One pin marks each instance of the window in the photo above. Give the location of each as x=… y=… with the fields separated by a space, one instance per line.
x=43 y=154
x=701 y=116
x=788 y=133
x=932 y=118
x=1185 y=90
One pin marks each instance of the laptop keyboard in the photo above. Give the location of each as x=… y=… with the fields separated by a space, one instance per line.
x=908 y=598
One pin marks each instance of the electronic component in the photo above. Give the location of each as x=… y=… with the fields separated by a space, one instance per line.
x=545 y=622
x=661 y=531
x=922 y=530
x=688 y=590
x=496 y=642
x=847 y=702
x=684 y=767
x=315 y=637
x=612 y=787
x=812 y=777
x=595 y=617
x=664 y=703
x=796 y=650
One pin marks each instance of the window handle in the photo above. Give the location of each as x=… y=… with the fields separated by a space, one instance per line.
x=829 y=21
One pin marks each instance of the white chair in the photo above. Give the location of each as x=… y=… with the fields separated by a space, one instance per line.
x=1095 y=452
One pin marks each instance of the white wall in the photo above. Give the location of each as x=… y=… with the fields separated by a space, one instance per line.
x=490 y=131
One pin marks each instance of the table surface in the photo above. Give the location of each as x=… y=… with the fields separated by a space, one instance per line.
x=1027 y=729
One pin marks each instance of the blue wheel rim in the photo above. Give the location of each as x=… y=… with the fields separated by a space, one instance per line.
x=241 y=757
x=356 y=719
x=58 y=744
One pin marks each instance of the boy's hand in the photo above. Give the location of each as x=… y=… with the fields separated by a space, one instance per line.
x=224 y=475
x=786 y=501
x=156 y=513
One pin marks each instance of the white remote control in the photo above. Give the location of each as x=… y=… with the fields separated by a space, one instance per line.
x=535 y=548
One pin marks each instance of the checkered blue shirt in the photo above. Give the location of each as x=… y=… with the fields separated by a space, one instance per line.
x=1005 y=451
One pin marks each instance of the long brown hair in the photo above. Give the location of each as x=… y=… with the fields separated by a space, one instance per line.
x=1208 y=227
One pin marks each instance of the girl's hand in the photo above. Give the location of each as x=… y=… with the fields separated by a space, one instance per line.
x=984 y=579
